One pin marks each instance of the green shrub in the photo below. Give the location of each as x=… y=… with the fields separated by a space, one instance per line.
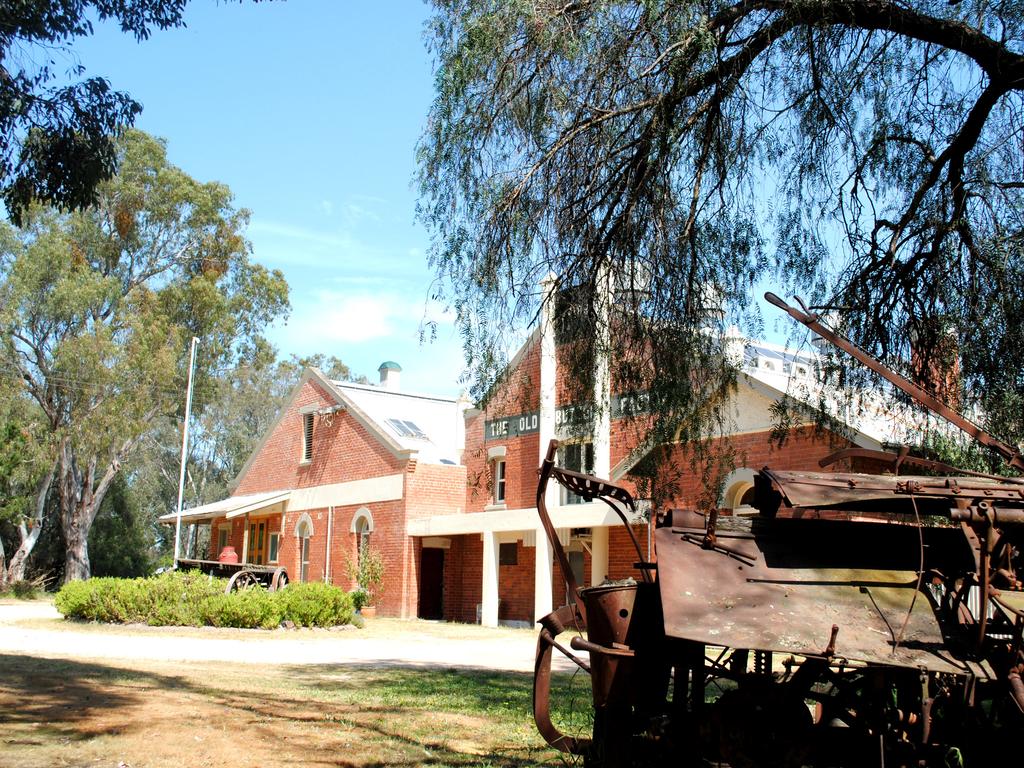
x=175 y=598
x=190 y=598
x=252 y=608
x=315 y=604
x=171 y=599
x=75 y=600
x=28 y=589
x=360 y=597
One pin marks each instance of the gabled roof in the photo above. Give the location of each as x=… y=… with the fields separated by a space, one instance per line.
x=373 y=406
x=425 y=424
x=776 y=372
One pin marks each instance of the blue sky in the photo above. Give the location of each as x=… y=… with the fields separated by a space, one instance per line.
x=309 y=110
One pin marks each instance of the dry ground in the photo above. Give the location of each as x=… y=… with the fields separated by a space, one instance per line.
x=143 y=713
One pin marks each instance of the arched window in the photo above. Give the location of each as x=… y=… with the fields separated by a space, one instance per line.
x=304 y=532
x=362 y=527
x=738 y=490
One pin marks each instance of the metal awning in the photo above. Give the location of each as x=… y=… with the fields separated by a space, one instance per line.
x=231 y=507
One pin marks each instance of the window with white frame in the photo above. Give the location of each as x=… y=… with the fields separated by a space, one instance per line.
x=499 y=481
x=272 y=547
x=307 y=437
x=578 y=457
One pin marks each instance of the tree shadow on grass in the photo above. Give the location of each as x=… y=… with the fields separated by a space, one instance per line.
x=62 y=694
x=358 y=716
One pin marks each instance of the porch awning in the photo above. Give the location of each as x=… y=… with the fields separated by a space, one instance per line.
x=234 y=506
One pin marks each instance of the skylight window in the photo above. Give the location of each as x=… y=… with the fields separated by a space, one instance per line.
x=406 y=428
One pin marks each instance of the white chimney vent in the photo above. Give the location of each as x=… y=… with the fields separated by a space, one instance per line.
x=390 y=372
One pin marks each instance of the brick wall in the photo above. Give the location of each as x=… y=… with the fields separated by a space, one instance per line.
x=343 y=450
x=463 y=578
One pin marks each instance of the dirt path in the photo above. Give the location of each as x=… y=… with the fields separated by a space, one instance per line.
x=36 y=629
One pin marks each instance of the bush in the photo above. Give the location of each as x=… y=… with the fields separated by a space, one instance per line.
x=191 y=598
x=315 y=604
x=360 y=597
x=27 y=589
x=252 y=608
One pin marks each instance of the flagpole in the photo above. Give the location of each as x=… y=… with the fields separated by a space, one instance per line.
x=184 y=448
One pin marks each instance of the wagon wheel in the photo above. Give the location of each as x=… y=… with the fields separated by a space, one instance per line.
x=241 y=580
x=279 y=580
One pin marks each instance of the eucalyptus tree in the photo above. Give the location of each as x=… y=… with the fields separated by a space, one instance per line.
x=97 y=309
x=868 y=154
x=57 y=131
x=26 y=474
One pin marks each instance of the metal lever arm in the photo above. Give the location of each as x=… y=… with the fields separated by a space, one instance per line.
x=1008 y=452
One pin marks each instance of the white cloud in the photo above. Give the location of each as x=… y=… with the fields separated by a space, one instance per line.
x=327 y=207
x=336 y=318
x=363 y=328
x=355 y=213
x=301 y=234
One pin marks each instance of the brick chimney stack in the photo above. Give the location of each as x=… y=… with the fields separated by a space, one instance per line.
x=935 y=359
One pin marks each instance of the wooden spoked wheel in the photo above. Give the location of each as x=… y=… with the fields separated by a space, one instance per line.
x=241 y=580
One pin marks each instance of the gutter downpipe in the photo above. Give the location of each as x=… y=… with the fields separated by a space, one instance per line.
x=327 y=554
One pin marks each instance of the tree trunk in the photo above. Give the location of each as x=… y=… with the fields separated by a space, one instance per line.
x=80 y=499
x=76 y=539
x=29 y=534
x=76 y=512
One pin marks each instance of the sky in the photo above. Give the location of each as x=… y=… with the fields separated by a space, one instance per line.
x=309 y=110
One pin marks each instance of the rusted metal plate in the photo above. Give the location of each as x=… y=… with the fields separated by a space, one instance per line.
x=827 y=489
x=784 y=584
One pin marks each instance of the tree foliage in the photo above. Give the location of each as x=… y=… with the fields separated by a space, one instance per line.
x=97 y=307
x=868 y=154
x=57 y=132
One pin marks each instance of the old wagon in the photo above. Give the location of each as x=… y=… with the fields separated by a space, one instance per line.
x=856 y=620
x=239 y=575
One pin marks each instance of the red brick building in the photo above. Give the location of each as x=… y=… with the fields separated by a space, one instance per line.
x=446 y=492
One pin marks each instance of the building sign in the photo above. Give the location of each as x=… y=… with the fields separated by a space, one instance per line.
x=575 y=419
x=512 y=426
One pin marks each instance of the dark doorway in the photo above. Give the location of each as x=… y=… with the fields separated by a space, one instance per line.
x=576 y=564
x=431 y=583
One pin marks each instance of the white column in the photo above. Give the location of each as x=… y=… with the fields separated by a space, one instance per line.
x=542 y=602
x=542 y=584
x=602 y=417
x=489 y=607
x=245 y=540
x=599 y=556
x=602 y=377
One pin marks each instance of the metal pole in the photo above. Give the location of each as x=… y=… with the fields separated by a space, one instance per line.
x=184 y=448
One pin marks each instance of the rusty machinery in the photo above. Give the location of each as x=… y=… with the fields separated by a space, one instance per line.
x=836 y=629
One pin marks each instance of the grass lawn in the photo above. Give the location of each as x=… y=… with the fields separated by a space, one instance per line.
x=55 y=713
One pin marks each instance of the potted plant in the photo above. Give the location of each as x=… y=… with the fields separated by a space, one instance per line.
x=368 y=573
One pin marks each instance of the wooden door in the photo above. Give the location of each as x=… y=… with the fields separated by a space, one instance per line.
x=258 y=542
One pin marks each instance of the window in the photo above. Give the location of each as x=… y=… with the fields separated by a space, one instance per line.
x=307 y=437
x=303 y=533
x=363 y=531
x=405 y=428
x=508 y=554
x=579 y=457
x=272 y=547
x=304 y=563
x=499 y=481
x=223 y=537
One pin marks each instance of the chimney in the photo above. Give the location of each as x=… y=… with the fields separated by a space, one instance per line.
x=935 y=359
x=389 y=375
